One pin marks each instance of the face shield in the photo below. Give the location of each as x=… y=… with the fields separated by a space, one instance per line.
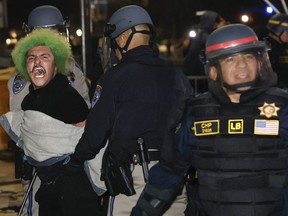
x=106 y=51
x=264 y=76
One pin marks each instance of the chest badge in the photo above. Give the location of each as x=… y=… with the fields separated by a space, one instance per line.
x=269 y=110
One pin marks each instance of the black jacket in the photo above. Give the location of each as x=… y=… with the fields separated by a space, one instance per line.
x=57 y=99
x=135 y=99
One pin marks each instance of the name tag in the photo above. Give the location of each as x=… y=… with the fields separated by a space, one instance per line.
x=235 y=126
x=204 y=128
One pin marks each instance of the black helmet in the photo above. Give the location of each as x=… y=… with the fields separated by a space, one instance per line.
x=125 y=18
x=233 y=39
x=208 y=20
x=278 y=23
x=46 y=16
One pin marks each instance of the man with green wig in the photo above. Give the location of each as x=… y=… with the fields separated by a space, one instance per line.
x=50 y=124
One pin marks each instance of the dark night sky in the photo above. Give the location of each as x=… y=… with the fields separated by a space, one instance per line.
x=18 y=10
x=171 y=15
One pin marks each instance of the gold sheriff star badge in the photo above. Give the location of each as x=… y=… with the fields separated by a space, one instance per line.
x=269 y=110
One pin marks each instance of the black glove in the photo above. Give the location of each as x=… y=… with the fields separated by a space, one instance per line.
x=137 y=211
x=154 y=201
x=73 y=167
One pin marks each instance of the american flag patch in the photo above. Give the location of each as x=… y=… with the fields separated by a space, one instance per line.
x=266 y=127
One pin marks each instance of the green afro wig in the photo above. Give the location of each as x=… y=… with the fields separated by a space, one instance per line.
x=42 y=37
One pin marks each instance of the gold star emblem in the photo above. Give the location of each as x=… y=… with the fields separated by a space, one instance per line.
x=269 y=110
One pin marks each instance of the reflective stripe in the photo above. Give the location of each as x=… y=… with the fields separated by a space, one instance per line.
x=30 y=203
x=231 y=43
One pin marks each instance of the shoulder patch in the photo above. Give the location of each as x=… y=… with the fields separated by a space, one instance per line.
x=96 y=95
x=18 y=84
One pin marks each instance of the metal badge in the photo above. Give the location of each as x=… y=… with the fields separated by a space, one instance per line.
x=269 y=110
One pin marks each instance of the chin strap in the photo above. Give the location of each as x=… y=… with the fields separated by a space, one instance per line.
x=134 y=31
x=236 y=87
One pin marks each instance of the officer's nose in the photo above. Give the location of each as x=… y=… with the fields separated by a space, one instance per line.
x=241 y=61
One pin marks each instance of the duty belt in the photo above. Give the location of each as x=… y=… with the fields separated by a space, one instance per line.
x=153 y=155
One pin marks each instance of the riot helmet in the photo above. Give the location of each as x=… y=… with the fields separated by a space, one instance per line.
x=46 y=16
x=278 y=23
x=235 y=39
x=208 y=20
x=126 y=18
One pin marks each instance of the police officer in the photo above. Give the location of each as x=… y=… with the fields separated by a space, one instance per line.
x=192 y=64
x=131 y=107
x=277 y=27
x=45 y=16
x=209 y=21
x=235 y=136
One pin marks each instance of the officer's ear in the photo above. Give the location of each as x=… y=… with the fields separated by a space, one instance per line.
x=212 y=73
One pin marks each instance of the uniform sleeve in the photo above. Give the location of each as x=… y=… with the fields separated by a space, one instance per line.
x=170 y=175
x=98 y=128
x=17 y=91
x=80 y=82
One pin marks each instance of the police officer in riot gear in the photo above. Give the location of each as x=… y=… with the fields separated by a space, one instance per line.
x=234 y=136
x=132 y=103
x=277 y=27
x=47 y=16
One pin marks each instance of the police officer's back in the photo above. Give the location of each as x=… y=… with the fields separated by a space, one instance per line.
x=133 y=100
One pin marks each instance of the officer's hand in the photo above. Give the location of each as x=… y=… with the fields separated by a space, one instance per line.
x=73 y=167
x=137 y=211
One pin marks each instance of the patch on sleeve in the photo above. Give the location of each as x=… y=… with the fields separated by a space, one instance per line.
x=97 y=95
x=266 y=127
x=204 y=128
x=18 y=84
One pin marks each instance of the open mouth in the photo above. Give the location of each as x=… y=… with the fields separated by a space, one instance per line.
x=38 y=72
x=243 y=75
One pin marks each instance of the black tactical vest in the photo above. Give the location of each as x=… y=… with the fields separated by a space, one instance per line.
x=239 y=154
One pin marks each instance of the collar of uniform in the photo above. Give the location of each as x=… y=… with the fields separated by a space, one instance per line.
x=137 y=52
